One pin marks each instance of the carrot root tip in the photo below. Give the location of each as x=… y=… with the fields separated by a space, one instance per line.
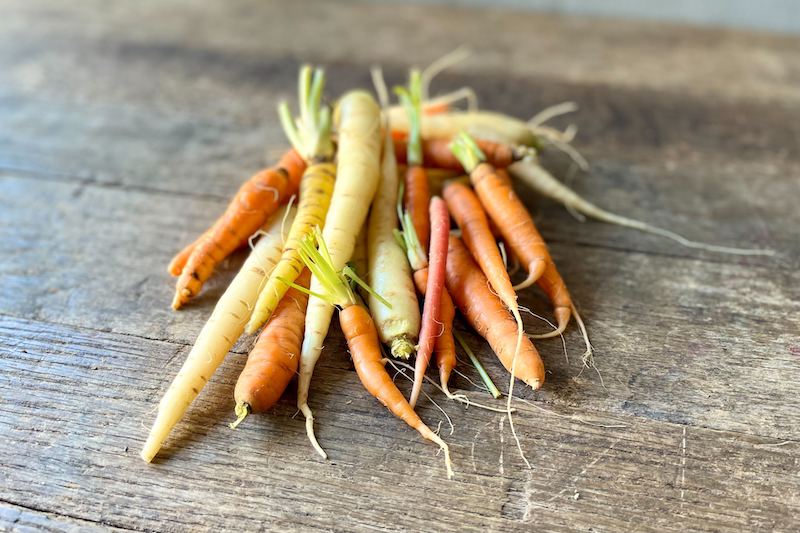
x=563 y=315
x=535 y=384
x=402 y=348
x=241 y=410
x=310 y=430
x=535 y=271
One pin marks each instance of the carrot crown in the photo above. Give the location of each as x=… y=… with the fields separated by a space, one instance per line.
x=336 y=288
x=411 y=99
x=310 y=133
x=467 y=151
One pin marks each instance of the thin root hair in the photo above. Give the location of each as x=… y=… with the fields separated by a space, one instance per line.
x=379 y=83
x=551 y=112
x=438 y=66
x=457 y=397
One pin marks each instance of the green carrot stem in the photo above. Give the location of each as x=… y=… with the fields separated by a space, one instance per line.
x=478 y=365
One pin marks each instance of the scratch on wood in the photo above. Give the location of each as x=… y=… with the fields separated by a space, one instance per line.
x=585 y=469
x=472 y=448
x=683 y=465
x=502 y=444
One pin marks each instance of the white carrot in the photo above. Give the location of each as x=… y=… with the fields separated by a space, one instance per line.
x=389 y=272
x=487 y=125
x=358 y=174
x=220 y=332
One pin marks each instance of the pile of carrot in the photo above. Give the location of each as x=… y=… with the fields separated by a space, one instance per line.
x=395 y=217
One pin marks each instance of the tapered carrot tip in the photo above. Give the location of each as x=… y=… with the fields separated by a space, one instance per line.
x=181 y=297
x=562 y=317
x=535 y=384
x=535 y=270
x=175 y=266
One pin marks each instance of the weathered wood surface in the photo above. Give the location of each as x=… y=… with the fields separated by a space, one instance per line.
x=124 y=127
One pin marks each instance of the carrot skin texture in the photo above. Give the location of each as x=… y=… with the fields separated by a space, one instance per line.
x=416 y=198
x=437 y=264
x=476 y=234
x=512 y=219
x=436 y=153
x=549 y=280
x=445 y=346
x=554 y=287
x=488 y=316
x=252 y=205
x=362 y=340
x=275 y=357
x=365 y=348
x=316 y=187
x=385 y=265
x=179 y=261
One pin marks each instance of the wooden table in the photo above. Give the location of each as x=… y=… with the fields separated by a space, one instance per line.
x=125 y=126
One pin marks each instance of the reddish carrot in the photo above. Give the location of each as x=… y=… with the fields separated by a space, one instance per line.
x=274 y=359
x=255 y=201
x=444 y=347
x=436 y=153
x=431 y=325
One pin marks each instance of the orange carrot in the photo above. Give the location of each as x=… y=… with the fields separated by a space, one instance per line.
x=512 y=218
x=515 y=223
x=416 y=197
x=275 y=357
x=488 y=316
x=365 y=348
x=362 y=336
x=436 y=153
x=468 y=213
x=255 y=201
x=179 y=261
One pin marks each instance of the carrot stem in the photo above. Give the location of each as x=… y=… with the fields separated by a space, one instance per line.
x=411 y=99
x=493 y=390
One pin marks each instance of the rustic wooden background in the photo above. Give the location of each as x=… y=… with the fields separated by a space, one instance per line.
x=125 y=126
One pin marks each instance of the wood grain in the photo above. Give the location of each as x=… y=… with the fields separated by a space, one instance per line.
x=20 y=519
x=123 y=129
x=80 y=398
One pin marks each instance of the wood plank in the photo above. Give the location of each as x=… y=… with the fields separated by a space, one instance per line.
x=112 y=115
x=240 y=88
x=76 y=400
x=724 y=63
x=18 y=519
x=684 y=162
x=681 y=340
